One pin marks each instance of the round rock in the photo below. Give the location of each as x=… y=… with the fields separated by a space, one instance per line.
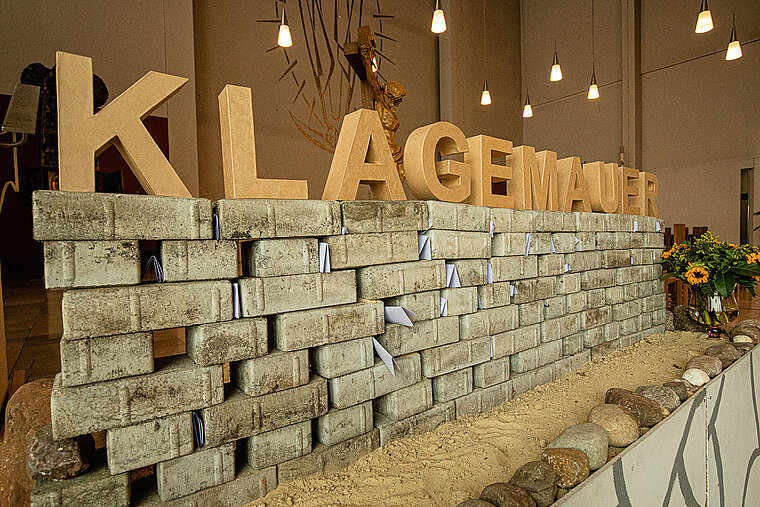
x=621 y=424
x=539 y=479
x=726 y=352
x=696 y=377
x=503 y=494
x=743 y=348
x=571 y=465
x=590 y=438
x=474 y=502
x=665 y=396
x=741 y=338
x=48 y=458
x=679 y=388
x=749 y=327
x=708 y=364
x=682 y=321
x=647 y=411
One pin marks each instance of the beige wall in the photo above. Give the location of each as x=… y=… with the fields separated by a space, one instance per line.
x=124 y=39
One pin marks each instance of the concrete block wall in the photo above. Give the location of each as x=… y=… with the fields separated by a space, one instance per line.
x=541 y=294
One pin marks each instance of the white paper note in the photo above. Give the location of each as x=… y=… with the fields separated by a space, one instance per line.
x=452 y=277
x=198 y=428
x=567 y=268
x=635 y=225
x=343 y=230
x=430 y=223
x=324 y=257
x=512 y=290
x=215 y=226
x=576 y=240
x=399 y=315
x=390 y=363
x=657 y=226
x=423 y=246
x=493 y=228
x=492 y=347
x=444 y=307
x=553 y=249
x=235 y=300
x=154 y=264
x=527 y=243
x=480 y=306
x=489 y=272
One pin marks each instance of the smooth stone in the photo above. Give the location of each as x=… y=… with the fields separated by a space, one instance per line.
x=669 y=325
x=647 y=411
x=679 y=388
x=726 y=352
x=621 y=424
x=614 y=451
x=539 y=479
x=708 y=364
x=743 y=348
x=562 y=492
x=741 y=338
x=682 y=321
x=503 y=494
x=665 y=396
x=474 y=502
x=696 y=377
x=590 y=438
x=749 y=327
x=48 y=458
x=571 y=465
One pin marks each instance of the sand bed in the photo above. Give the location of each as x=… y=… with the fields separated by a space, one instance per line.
x=458 y=459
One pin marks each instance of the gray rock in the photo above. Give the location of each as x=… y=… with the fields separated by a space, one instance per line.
x=743 y=348
x=708 y=364
x=682 y=321
x=726 y=352
x=621 y=424
x=750 y=327
x=502 y=494
x=669 y=326
x=48 y=458
x=562 y=492
x=679 y=388
x=648 y=412
x=665 y=396
x=571 y=465
x=587 y=437
x=539 y=479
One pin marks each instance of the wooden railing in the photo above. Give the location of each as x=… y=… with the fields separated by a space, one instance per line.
x=678 y=292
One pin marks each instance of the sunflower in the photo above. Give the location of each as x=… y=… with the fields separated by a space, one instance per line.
x=697 y=275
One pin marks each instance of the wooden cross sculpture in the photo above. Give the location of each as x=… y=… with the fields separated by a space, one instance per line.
x=382 y=98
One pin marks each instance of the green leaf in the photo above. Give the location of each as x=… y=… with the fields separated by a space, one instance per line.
x=725 y=283
x=747 y=270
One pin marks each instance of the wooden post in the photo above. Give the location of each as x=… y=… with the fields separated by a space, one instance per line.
x=352 y=50
x=3 y=352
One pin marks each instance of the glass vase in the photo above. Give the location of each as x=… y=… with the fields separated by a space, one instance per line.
x=713 y=311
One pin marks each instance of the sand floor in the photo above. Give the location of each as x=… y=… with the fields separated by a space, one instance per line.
x=460 y=458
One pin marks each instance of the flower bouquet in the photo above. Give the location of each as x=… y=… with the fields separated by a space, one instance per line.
x=713 y=269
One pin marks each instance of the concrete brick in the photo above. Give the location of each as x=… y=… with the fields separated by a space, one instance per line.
x=551 y=264
x=611 y=331
x=517 y=340
x=549 y=221
x=150 y=442
x=572 y=344
x=312 y=328
x=570 y=324
x=627 y=310
x=415 y=425
x=571 y=363
x=488 y=322
x=523 y=220
x=618 y=222
x=281 y=257
x=461 y=300
x=490 y=373
x=280 y=445
x=471 y=271
x=493 y=295
x=276 y=218
x=178 y=385
x=275 y=371
x=407 y=401
x=526 y=290
x=593 y=337
x=634 y=290
x=326 y=459
x=629 y=326
x=359 y=250
x=249 y=485
x=202 y=469
x=614 y=295
x=98 y=216
x=596 y=317
x=583 y=261
x=555 y=307
x=564 y=242
x=531 y=313
x=644 y=321
x=452 y=385
x=653 y=240
x=508 y=243
x=365 y=385
x=93 y=488
x=533 y=358
x=502 y=219
x=542 y=375
x=550 y=330
x=615 y=258
x=76 y=264
x=119 y=310
x=540 y=243
x=340 y=425
x=388 y=280
x=184 y=260
x=598 y=278
x=647 y=224
x=568 y=283
x=455 y=356
x=483 y=400
x=458 y=217
x=586 y=241
x=105 y=358
x=604 y=349
x=224 y=342
x=279 y=294
x=659 y=317
x=631 y=274
x=342 y=358
x=384 y=216
x=242 y=416
x=576 y=302
x=595 y=298
x=591 y=221
x=424 y=305
x=609 y=240
x=514 y=268
x=641 y=256
x=521 y=383
x=399 y=340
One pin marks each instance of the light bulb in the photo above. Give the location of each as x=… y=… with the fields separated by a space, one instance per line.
x=283 y=38
x=704 y=20
x=734 y=50
x=439 y=21
x=527 y=110
x=593 y=92
x=485 y=98
x=556 y=74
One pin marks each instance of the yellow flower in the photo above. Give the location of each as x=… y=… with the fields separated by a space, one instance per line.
x=757 y=278
x=665 y=255
x=697 y=275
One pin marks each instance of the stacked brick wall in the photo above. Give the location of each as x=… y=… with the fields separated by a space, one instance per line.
x=541 y=294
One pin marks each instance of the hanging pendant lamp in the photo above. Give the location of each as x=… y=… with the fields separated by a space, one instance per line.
x=439 y=20
x=485 y=97
x=704 y=20
x=734 y=50
x=527 y=109
x=284 y=40
x=593 y=89
x=556 y=73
